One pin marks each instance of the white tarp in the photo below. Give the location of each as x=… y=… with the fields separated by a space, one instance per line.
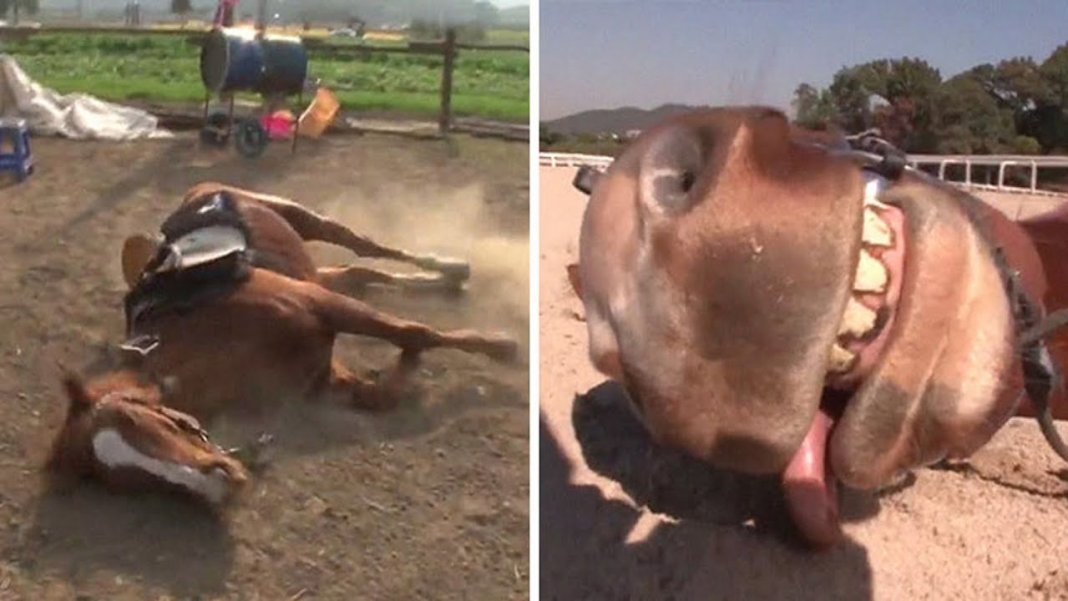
x=77 y=116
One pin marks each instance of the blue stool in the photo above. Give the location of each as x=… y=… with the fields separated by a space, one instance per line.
x=14 y=133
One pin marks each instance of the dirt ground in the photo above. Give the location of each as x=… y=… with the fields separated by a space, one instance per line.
x=623 y=519
x=428 y=502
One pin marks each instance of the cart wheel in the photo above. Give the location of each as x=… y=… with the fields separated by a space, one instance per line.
x=215 y=132
x=250 y=138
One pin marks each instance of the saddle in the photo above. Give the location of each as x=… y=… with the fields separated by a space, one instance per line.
x=204 y=256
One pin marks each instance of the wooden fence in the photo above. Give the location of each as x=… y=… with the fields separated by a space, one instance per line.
x=448 y=49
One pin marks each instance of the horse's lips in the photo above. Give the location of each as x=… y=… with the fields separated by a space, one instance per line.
x=809 y=484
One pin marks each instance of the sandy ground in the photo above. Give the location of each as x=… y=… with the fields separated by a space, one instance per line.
x=622 y=519
x=428 y=502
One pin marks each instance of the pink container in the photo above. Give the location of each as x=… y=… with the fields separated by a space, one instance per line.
x=279 y=126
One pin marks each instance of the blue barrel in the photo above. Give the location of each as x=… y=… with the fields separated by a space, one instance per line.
x=236 y=60
x=285 y=65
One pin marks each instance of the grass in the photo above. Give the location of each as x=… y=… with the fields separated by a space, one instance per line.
x=487 y=84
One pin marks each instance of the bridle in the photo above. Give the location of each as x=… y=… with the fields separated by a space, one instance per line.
x=881 y=160
x=184 y=422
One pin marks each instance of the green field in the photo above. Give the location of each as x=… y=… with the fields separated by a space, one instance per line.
x=486 y=84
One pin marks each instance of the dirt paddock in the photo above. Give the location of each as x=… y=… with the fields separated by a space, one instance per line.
x=428 y=502
x=623 y=519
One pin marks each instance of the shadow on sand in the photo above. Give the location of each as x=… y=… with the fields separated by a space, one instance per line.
x=81 y=530
x=728 y=540
x=161 y=540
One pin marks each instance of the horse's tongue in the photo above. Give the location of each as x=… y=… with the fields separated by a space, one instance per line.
x=811 y=492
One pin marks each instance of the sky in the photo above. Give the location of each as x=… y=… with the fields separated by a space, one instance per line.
x=613 y=53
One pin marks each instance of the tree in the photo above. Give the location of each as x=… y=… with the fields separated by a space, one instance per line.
x=1017 y=105
x=17 y=6
x=486 y=14
x=547 y=137
x=971 y=120
x=906 y=88
x=814 y=108
x=1054 y=72
x=1025 y=145
x=1054 y=119
x=851 y=101
x=181 y=7
x=1016 y=83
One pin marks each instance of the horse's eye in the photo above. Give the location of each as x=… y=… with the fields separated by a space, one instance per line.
x=190 y=427
x=670 y=169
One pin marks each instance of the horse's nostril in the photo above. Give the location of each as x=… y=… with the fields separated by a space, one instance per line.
x=687 y=180
x=224 y=470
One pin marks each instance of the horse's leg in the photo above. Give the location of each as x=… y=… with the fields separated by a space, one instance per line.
x=314 y=227
x=360 y=393
x=354 y=277
x=350 y=316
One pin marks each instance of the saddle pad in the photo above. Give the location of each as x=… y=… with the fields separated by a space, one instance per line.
x=202 y=246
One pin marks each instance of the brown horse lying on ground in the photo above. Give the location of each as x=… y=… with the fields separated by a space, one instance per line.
x=773 y=304
x=275 y=245
x=225 y=312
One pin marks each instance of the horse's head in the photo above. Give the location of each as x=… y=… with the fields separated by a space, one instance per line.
x=117 y=430
x=771 y=306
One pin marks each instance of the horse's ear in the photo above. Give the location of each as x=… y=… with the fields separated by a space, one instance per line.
x=76 y=393
x=575 y=279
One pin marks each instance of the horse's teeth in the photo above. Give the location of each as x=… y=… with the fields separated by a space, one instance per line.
x=871 y=274
x=857 y=319
x=841 y=360
x=876 y=232
x=875 y=202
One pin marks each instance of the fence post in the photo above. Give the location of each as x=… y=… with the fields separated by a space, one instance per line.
x=449 y=50
x=261 y=17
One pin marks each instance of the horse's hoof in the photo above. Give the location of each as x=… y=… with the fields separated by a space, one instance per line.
x=504 y=350
x=453 y=269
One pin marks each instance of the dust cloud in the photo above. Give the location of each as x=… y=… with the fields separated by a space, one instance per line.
x=457 y=222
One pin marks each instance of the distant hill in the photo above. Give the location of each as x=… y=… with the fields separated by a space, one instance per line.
x=374 y=12
x=515 y=16
x=614 y=120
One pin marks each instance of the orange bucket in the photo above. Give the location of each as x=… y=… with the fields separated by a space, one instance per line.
x=320 y=114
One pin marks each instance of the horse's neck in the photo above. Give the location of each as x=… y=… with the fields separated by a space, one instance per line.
x=128 y=380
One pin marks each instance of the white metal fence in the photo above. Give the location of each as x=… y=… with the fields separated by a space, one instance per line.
x=563 y=159
x=1002 y=162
